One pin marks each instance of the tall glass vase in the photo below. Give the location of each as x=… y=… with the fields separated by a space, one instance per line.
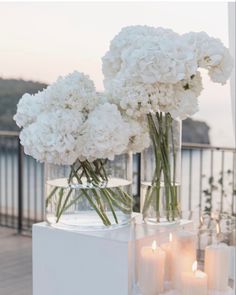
x=90 y=196
x=161 y=171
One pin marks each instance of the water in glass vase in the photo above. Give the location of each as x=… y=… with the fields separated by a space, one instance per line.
x=158 y=208
x=83 y=203
x=90 y=195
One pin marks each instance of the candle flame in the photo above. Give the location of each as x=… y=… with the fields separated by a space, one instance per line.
x=217 y=228
x=154 y=245
x=201 y=220
x=170 y=237
x=194 y=267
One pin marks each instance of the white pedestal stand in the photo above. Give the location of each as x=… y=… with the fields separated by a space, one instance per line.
x=89 y=263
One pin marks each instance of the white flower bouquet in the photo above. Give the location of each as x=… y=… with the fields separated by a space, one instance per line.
x=68 y=123
x=152 y=79
x=153 y=74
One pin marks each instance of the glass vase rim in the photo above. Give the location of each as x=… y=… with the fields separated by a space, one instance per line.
x=112 y=182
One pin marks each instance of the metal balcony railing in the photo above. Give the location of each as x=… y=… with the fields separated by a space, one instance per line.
x=208 y=182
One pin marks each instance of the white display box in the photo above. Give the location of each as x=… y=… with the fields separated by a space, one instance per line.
x=90 y=263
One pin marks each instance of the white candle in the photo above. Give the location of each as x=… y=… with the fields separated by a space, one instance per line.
x=152 y=263
x=232 y=263
x=217 y=267
x=184 y=255
x=167 y=248
x=194 y=283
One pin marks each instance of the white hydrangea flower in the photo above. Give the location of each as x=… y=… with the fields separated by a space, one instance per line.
x=222 y=72
x=138 y=128
x=69 y=121
x=104 y=134
x=187 y=106
x=53 y=137
x=167 y=98
x=194 y=83
x=74 y=91
x=149 y=55
x=186 y=93
x=211 y=55
x=139 y=99
x=139 y=135
x=134 y=99
x=28 y=108
x=112 y=60
x=103 y=97
x=163 y=60
x=152 y=69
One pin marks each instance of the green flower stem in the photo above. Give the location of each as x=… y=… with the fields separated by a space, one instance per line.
x=93 y=205
x=100 y=205
x=74 y=201
x=99 y=209
x=90 y=174
x=52 y=193
x=74 y=174
x=167 y=173
x=174 y=171
x=111 y=207
x=126 y=199
x=97 y=196
x=100 y=170
x=60 y=196
x=156 y=183
x=105 y=191
x=64 y=205
x=160 y=130
x=115 y=198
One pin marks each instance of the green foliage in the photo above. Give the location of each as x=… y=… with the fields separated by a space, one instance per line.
x=223 y=185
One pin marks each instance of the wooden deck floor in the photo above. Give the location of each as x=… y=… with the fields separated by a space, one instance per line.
x=15 y=263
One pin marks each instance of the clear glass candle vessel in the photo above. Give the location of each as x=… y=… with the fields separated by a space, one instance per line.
x=87 y=195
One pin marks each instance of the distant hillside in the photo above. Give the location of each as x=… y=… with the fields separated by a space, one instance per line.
x=195 y=132
x=11 y=91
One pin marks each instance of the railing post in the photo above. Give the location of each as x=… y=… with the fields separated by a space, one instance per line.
x=20 y=187
x=233 y=207
x=139 y=177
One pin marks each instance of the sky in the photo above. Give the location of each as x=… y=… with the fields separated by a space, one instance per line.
x=40 y=41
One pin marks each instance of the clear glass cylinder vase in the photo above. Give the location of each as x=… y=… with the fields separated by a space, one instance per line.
x=161 y=171
x=90 y=196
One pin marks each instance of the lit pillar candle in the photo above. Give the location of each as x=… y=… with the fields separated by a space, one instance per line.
x=217 y=267
x=184 y=255
x=167 y=248
x=152 y=263
x=194 y=283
